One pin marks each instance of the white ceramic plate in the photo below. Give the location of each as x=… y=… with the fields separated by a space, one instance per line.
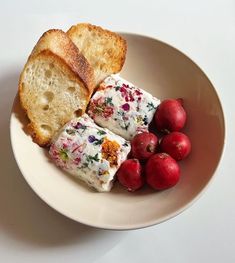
x=166 y=73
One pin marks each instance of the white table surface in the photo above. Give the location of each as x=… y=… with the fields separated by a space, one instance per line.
x=30 y=231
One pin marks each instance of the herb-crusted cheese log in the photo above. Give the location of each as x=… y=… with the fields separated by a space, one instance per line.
x=122 y=108
x=89 y=152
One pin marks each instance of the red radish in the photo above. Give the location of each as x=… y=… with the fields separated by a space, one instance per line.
x=162 y=171
x=144 y=145
x=170 y=115
x=130 y=175
x=177 y=145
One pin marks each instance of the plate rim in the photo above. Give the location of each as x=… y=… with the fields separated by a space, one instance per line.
x=150 y=222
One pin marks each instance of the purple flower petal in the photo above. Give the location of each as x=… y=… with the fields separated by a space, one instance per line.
x=126 y=107
x=92 y=138
x=78 y=125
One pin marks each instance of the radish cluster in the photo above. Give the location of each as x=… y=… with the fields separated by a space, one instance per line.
x=154 y=160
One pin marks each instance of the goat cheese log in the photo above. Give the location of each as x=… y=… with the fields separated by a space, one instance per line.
x=89 y=152
x=122 y=108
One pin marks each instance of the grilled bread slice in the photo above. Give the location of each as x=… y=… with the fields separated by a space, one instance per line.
x=104 y=50
x=55 y=85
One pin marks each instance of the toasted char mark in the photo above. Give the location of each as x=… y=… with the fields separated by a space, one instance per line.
x=85 y=72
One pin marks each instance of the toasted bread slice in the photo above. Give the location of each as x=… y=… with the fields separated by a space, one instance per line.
x=55 y=85
x=104 y=50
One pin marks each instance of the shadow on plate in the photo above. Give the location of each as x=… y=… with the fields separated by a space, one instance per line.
x=24 y=216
